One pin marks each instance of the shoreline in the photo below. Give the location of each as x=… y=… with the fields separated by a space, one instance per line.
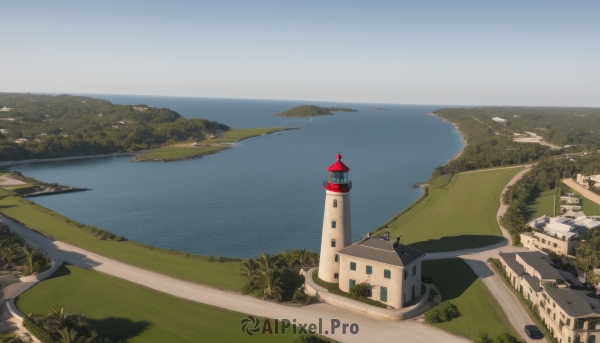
x=462 y=136
x=71 y=158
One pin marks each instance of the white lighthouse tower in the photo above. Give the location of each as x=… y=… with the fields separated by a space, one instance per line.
x=337 y=226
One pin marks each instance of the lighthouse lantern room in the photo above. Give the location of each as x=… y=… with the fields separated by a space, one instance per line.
x=337 y=225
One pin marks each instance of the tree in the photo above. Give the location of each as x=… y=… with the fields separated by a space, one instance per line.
x=11 y=253
x=271 y=283
x=32 y=262
x=268 y=263
x=287 y=259
x=249 y=271
x=72 y=336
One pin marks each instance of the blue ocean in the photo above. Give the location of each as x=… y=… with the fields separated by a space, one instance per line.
x=265 y=195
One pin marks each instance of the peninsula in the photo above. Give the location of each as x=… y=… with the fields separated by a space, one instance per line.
x=312 y=111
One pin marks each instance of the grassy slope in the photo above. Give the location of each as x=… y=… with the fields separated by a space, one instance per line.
x=459 y=215
x=480 y=312
x=539 y=204
x=589 y=207
x=220 y=275
x=185 y=150
x=118 y=308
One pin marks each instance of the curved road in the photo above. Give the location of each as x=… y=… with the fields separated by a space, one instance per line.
x=371 y=329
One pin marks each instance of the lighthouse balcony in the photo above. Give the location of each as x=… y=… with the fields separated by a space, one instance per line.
x=344 y=187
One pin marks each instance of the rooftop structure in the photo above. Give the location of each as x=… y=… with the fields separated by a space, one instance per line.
x=499 y=120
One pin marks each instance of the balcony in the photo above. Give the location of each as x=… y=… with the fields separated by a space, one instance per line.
x=337 y=186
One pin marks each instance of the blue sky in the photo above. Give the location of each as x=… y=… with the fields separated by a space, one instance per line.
x=447 y=52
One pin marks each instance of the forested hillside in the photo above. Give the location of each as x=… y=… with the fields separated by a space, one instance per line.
x=45 y=126
x=490 y=143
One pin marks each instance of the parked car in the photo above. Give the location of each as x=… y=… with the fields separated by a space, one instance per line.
x=533 y=332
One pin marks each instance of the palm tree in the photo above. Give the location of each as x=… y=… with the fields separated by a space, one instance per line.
x=249 y=271
x=302 y=257
x=32 y=263
x=272 y=284
x=72 y=336
x=287 y=259
x=10 y=253
x=268 y=263
x=59 y=319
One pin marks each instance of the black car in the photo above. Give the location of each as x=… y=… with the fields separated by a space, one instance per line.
x=533 y=332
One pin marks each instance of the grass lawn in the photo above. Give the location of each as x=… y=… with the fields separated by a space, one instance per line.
x=539 y=204
x=589 y=207
x=480 y=312
x=179 y=152
x=223 y=275
x=120 y=309
x=459 y=213
x=186 y=150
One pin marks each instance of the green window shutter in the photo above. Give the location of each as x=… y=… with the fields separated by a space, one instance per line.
x=383 y=294
x=352 y=265
x=369 y=270
x=352 y=282
x=387 y=274
x=370 y=294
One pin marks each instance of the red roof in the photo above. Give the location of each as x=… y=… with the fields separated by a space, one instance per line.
x=338 y=166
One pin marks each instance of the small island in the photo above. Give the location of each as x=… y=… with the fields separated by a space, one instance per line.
x=382 y=109
x=312 y=111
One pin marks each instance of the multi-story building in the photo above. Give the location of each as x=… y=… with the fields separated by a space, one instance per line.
x=572 y=315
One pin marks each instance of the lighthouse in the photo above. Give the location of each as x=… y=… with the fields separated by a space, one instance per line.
x=337 y=225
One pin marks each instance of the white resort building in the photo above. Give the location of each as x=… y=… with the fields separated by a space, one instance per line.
x=559 y=234
x=392 y=270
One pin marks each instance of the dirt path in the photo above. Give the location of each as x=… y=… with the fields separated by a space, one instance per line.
x=581 y=190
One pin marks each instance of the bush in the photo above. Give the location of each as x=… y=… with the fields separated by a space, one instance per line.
x=361 y=290
x=444 y=312
x=37 y=330
x=247 y=288
x=482 y=337
x=335 y=289
x=299 y=295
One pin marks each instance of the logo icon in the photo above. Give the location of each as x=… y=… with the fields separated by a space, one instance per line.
x=250 y=325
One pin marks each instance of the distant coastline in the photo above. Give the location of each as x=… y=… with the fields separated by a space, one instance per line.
x=462 y=136
x=71 y=158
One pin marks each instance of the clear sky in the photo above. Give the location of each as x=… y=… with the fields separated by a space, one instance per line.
x=419 y=52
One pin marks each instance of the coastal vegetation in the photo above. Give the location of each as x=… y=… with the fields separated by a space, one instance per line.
x=15 y=252
x=46 y=126
x=479 y=310
x=491 y=144
x=184 y=151
x=121 y=310
x=276 y=277
x=312 y=111
x=458 y=211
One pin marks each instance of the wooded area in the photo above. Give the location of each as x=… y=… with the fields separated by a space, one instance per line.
x=47 y=126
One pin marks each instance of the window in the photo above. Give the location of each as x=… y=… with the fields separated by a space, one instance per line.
x=568 y=321
x=405 y=274
x=577 y=338
x=387 y=274
x=333 y=243
x=414 y=270
x=352 y=265
x=383 y=294
x=555 y=245
x=593 y=325
x=336 y=275
x=334 y=203
x=579 y=323
x=352 y=283
x=337 y=258
x=591 y=339
x=370 y=290
x=333 y=224
x=369 y=270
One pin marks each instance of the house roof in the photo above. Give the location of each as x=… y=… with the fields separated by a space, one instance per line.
x=338 y=166
x=378 y=249
x=542 y=264
x=575 y=303
x=511 y=260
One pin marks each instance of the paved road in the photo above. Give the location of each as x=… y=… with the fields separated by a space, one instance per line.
x=371 y=329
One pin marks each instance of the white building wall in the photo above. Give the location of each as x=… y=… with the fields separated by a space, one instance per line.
x=342 y=234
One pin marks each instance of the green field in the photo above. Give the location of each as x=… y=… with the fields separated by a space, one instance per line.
x=480 y=312
x=193 y=267
x=589 y=207
x=173 y=153
x=120 y=309
x=186 y=150
x=458 y=213
x=539 y=204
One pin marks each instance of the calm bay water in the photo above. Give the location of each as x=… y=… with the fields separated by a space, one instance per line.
x=265 y=195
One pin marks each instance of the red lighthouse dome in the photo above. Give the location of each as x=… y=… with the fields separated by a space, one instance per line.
x=338 y=177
